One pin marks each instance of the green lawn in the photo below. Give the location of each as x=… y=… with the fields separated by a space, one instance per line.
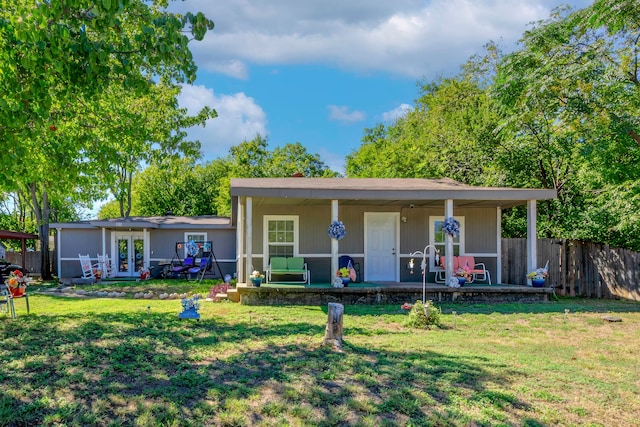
x=81 y=361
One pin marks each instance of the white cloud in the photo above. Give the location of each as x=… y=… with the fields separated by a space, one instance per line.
x=239 y=118
x=396 y=113
x=342 y=114
x=406 y=37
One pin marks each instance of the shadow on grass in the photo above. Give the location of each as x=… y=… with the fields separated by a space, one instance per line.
x=154 y=369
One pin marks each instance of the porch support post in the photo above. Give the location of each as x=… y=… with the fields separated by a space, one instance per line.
x=104 y=243
x=58 y=261
x=240 y=241
x=249 y=236
x=448 y=244
x=498 y=275
x=532 y=250
x=145 y=244
x=335 y=246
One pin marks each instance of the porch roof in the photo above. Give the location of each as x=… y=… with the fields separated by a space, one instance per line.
x=381 y=191
x=139 y=222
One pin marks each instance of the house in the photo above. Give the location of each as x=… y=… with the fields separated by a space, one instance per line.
x=136 y=242
x=386 y=221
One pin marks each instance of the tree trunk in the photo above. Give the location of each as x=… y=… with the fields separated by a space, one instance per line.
x=333 y=333
x=42 y=212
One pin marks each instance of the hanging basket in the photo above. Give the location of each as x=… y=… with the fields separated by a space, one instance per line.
x=337 y=230
x=451 y=226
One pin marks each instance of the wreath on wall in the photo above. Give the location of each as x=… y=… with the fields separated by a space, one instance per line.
x=192 y=248
x=451 y=226
x=337 y=230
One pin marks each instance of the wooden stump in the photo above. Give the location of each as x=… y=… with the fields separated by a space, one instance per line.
x=333 y=333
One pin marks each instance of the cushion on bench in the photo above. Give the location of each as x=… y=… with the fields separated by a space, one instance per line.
x=296 y=264
x=278 y=264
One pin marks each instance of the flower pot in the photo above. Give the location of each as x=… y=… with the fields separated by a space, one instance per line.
x=17 y=292
x=257 y=281
x=345 y=281
x=537 y=283
x=462 y=281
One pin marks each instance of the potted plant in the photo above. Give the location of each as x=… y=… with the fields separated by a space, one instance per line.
x=463 y=274
x=345 y=274
x=17 y=283
x=257 y=278
x=538 y=277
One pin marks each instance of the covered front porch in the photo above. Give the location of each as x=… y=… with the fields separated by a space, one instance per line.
x=388 y=222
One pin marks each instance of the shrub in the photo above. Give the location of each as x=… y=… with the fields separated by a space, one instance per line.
x=218 y=289
x=423 y=315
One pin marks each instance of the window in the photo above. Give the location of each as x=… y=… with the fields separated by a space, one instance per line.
x=437 y=237
x=281 y=236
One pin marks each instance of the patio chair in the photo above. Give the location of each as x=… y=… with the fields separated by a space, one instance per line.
x=104 y=264
x=87 y=267
x=6 y=300
x=184 y=267
x=201 y=270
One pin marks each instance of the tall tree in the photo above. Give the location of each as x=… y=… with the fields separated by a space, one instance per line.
x=55 y=54
x=447 y=133
x=570 y=103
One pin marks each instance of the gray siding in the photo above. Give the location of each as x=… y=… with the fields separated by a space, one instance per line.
x=162 y=247
x=480 y=234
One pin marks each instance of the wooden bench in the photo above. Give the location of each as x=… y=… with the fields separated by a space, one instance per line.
x=292 y=266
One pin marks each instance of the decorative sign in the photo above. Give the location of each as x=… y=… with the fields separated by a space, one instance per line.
x=190 y=307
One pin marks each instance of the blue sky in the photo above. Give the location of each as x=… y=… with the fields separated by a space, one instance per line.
x=320 y=72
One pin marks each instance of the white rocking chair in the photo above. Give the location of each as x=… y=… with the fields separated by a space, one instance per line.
x=104 y=264
x=87 y=267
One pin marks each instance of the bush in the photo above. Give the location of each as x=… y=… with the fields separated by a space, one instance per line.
x=423 y=315
x=219 y=289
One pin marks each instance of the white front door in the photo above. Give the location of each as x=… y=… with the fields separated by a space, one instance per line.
x=128 y=250
x=381 y=246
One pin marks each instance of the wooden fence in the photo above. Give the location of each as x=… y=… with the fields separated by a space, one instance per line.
x=33 y=263
x=577 y=268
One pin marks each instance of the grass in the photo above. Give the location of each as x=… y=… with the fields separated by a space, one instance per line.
x=113 y=362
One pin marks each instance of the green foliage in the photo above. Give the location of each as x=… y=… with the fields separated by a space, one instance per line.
x=423 y=315
x=70 y=74
x=179 y=186
x=447 y=134
x=561 y=112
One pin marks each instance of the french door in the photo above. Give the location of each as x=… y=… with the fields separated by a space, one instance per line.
x=129 y=253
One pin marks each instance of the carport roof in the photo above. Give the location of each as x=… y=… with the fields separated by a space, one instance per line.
x=382 y=191
x=16 y=235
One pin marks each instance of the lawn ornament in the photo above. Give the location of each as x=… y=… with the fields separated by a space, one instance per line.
x=190 y=307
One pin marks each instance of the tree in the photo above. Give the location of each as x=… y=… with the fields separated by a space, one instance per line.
x=56 y=54
x=448 y=133
x=181 y=187
x=570 y=107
